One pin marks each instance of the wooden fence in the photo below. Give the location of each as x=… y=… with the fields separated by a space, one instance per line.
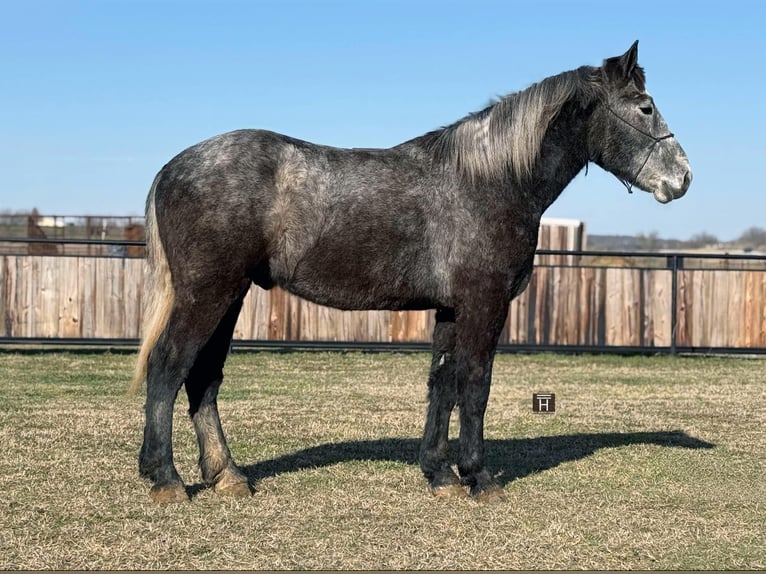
x=100 y=297
x=566 y=303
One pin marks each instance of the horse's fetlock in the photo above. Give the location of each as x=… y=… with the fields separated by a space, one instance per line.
x=212 y=466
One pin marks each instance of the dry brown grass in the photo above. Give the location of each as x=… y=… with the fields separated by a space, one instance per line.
x=618 y=478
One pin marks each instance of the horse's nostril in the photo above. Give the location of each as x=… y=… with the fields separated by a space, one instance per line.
x=687 y=179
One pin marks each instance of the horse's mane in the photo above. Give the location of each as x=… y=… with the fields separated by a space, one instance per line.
x=509 y=132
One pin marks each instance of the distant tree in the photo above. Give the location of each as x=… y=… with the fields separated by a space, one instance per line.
x=650 y=241
x=702 y=239
x=753 y=237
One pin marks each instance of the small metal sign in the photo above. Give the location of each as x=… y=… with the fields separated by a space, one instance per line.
x=544 y=402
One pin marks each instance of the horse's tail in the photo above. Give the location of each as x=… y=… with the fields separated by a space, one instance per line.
x=160 y=292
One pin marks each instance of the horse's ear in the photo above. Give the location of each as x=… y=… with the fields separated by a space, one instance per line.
x=621 y=69
x=629 y=61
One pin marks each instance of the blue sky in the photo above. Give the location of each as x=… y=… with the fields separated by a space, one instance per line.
x=96 y=96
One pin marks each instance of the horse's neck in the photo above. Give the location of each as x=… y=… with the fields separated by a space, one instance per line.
x=563 y=155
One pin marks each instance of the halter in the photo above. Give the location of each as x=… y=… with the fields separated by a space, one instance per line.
x=655 y=139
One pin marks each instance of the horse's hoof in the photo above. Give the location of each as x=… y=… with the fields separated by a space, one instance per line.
x=444 y=483
x=233 y=489
x=232 y=483
x=489 y=494
x=449 y=491
x=168 y=494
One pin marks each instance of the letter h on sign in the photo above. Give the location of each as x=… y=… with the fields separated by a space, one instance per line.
x=543 y=402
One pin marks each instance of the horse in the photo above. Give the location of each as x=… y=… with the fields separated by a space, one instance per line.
x=447 y=221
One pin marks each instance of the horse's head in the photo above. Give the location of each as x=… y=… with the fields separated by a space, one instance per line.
x=628 y=137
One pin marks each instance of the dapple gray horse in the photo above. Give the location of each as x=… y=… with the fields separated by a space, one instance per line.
x=446 y=221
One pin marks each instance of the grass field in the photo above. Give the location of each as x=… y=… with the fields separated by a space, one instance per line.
x=649 y=463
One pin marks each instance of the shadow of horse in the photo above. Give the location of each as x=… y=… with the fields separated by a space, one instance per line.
x=513 y=458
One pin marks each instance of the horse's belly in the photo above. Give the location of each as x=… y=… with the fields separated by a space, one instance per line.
x=353 y=287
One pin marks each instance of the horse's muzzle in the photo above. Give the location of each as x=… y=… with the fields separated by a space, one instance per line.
x=667 y=191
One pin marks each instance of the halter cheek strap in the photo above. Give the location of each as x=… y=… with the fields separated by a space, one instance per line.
x=655 y=140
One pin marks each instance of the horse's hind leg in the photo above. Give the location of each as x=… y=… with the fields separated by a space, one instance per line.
x=442 y=394
x=202 y=384
x=193 y=319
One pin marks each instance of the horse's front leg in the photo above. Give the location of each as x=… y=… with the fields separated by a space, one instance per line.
x=478 y=326
x=442 y=395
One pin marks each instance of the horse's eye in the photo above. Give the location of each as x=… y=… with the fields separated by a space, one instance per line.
x=647 y=110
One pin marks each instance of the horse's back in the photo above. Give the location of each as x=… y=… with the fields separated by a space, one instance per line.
x=344 y=227
x=256 y=169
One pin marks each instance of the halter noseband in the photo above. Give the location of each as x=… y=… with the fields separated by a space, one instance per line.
x=655 y=139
